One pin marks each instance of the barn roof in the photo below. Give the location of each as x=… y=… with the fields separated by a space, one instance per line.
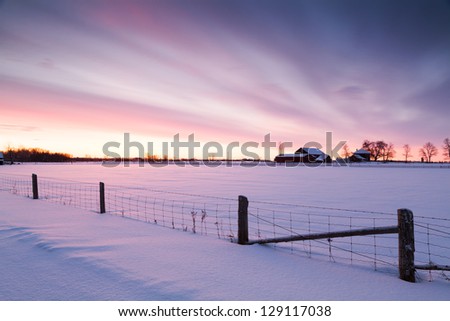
x=309 y=150
x=362 y=151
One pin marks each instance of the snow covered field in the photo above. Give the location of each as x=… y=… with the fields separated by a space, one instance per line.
x=423 y=190
x=56 y=252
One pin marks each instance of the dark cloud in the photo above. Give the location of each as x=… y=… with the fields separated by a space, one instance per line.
x=434 y=100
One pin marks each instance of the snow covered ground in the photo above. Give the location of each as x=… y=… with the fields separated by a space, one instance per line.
x=56 y=252
x=423 y=190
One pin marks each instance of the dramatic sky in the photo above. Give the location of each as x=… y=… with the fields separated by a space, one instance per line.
x=77 y=74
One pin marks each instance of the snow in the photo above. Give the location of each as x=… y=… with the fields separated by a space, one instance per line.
x=57 y=252
x=310 y=151
x=361 y=151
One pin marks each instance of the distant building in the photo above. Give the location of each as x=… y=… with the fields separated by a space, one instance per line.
x=304 y=155
x=2 y=159
x=361 y=155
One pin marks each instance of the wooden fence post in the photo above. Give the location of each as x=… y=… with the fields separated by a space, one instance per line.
x=102 y=198
x=34 y=180
x=406 y=246
x=243 y=220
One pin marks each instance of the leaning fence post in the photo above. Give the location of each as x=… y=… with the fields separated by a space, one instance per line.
x=102 y=198
x=243 y=220
x=406 y=246
x=35 y=186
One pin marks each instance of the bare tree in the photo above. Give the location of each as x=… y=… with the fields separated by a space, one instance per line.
x=428 y=151
x=10 y=153
x=388 y=152
x=346 y=151
x=406 y=152
x=446 y=148
x=377 y=149
x=368 y=145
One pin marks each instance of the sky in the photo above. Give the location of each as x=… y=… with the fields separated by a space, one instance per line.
x=75 y=75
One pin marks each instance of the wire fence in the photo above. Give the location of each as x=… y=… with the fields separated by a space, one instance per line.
x=188 y=212
x=432 y=241
x=268 y=220
x=16 y=185
x=380 y=252
x=217 y=216
x=77 y=194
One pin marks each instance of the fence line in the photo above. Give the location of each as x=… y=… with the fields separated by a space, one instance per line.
x=291 y=223
x=183 y=211
x=218 y=216
x=286 y=220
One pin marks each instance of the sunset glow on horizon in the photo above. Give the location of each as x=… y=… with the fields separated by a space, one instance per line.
x=77 y=74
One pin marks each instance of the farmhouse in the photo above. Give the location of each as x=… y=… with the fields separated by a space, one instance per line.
x=361 y=155
x=304 y=155
x=2 y=159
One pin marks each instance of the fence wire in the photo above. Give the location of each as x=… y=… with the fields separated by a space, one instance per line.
x=432 y=245
x=268 y=220
x=76 y=194
x=274 y=220
x=16 y=185
x=188 y=212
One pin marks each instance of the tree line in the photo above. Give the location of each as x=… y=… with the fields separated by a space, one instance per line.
x=22 y=154
x=382 y=151
x=379 y=151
